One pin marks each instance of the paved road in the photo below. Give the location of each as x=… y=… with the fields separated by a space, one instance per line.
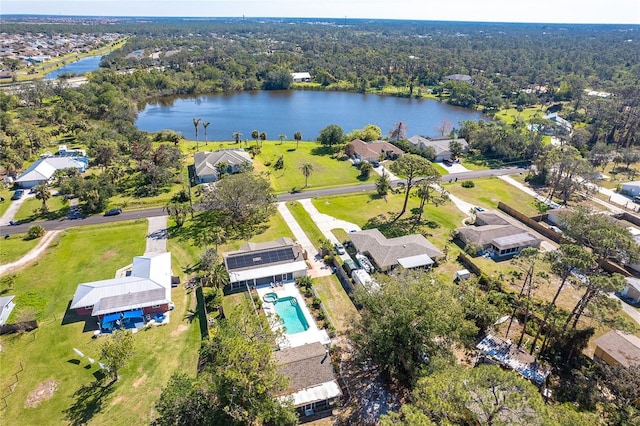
x=65 y=223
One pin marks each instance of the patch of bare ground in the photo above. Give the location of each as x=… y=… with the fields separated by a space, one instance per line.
x=366 y=395
x=179 y=330
x=108 y=255
x=117 y=400
x=42 y=392
x=140 y=381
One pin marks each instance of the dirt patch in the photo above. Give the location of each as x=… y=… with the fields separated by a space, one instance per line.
x=117 y=400
x=41 y=393
x=140 y=381
x=178 y=331
x=108 y=254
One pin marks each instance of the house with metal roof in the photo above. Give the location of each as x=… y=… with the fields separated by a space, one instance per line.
x=313 y=386
x=42 y=171
x=300 y=77
x=146 y=289
x=441 y=146
x=256 y=264
x=6 y=307
x=493 y=233
x=208 y=165
x=409 y=251
x=372 y=151
x=617 y=347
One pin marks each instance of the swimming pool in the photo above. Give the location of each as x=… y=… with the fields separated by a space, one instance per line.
x=291 y=315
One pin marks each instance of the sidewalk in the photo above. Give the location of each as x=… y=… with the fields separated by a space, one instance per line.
x=315 y=262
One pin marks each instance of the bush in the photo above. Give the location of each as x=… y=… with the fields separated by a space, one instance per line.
x=36 y=231
x=316 y=302
x=467 y=184
x=320 y=315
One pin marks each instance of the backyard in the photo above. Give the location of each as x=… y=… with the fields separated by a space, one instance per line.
x=57 y=386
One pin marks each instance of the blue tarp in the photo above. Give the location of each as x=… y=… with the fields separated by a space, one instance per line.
x=134 y=314
x=109 y=318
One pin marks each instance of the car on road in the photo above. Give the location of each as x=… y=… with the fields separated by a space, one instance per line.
x=113 y=212
x=339 y=248
x=478 y=209
x=17 y=194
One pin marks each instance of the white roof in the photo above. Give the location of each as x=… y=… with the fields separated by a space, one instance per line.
x=320 y=392
x=267 y=271
x=296 y=75
x=150 y=272
x=415 y=261
x=44 y=169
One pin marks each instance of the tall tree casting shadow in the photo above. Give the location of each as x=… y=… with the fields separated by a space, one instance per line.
x=89 y=400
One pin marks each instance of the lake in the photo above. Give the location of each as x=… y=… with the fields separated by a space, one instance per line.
x=286 y=112
x=81 y=66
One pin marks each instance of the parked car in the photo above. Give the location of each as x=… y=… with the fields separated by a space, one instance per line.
x=478 y=209
x=17 y=194
x=339 y=248
x=375 y=163
x=113 y=212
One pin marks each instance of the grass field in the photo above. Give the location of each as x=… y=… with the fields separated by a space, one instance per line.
x=14 y=247
x=45 y=360
x=335 y=299
x=29 y=211
x=327 y=170
x=509 y=115
x=487 y=192
x=4 y=205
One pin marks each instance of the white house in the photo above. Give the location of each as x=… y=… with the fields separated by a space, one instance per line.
x=42 y=171
x=300 y=77
x=6 y=306
x=632 y=289
x=207 y=164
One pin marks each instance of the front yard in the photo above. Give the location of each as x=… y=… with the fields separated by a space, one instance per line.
x=55 y=385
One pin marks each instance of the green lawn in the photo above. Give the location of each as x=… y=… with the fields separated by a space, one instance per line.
x=489 y=191
x=46 y=288
x=4 y=205
x=305 y=222
x=509 y=115
x=335 y=299
x=359 y=208
x=14 y=247
x=328 y=171
x=29 y=211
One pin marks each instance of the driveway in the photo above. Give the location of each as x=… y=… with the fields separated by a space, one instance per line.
x=318 y=268
x=157 y=235
x=10 y=213
x=31 y=256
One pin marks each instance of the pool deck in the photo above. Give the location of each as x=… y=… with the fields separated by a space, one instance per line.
x=312 y=335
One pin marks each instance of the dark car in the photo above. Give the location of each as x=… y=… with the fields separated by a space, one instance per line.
x=113 y=212
x=17 y=194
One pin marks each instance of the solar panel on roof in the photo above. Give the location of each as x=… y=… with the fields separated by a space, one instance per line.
x=246 y=260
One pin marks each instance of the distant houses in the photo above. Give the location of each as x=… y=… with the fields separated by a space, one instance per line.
x=458 y=77
x=301 y=77
x=210 y=165
x=441 y=146
x=42 y=171
x=372 y=151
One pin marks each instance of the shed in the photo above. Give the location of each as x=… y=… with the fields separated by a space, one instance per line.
x=463 y=274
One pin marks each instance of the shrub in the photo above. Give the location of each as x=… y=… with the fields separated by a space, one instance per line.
x=320 y=315
x=316 y=302
x=467 y=184
x=36 y=231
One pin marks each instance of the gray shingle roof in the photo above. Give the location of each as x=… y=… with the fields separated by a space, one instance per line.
x=386 y=252
x=624 y=348
x=205 y=162
x=305 y=366
x=440 y=145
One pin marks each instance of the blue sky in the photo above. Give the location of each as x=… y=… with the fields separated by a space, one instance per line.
x=559 y=11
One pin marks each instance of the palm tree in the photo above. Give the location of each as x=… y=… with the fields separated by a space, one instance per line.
x=43 y=193
x=298 y=137
x=237 y=136
x=205 y=124
x=196 y=123
x=255 y=135
x=282 y=137
x=263 y=137
x=307 y=170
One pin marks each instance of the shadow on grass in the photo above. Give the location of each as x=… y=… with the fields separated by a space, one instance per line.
x=403 y=226
x=39 y=216
x=88 y=401
x=71 y=317
x=200 y=313
x=325 y=150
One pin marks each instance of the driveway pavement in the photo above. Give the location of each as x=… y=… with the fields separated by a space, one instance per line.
x=157 y=235
x=318 y=268
x=10 y=213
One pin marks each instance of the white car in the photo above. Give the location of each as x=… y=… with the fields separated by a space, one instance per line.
x=339 y=248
